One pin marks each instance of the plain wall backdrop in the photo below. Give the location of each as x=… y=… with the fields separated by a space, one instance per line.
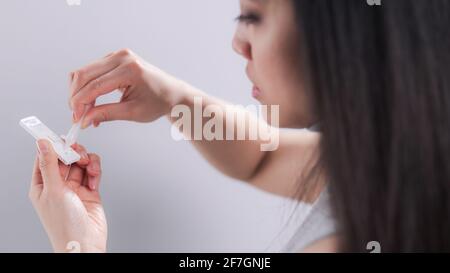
x=159 y=194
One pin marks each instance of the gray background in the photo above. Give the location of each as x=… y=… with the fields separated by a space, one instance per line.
x=159 y=195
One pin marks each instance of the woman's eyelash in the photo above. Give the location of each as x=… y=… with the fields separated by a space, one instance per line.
x=248 y=18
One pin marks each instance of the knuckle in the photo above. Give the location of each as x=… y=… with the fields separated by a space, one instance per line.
x=96 y=84
x=134 y=66
x=43 y=163
x=95 y=157
x=78 y=76
x=125 y=52
x=110 y=54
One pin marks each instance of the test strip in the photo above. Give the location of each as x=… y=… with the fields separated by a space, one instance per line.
x=40 y=131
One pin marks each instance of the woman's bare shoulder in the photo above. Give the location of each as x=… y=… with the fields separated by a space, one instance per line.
x=280 y=171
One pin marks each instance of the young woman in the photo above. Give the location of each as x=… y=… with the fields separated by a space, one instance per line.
x=376 y=80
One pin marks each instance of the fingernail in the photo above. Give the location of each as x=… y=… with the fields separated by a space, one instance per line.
x=86 y=124
x=92 y=185
x=84 y=155
x=42 y=147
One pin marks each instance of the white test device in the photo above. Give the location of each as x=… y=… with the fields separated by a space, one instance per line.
x=39 y=130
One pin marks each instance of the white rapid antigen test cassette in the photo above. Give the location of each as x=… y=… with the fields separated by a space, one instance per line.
x=39 y=131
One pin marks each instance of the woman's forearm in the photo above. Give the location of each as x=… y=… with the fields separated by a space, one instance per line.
x=231 y=154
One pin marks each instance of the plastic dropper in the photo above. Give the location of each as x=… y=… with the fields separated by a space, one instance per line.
x=72 y=135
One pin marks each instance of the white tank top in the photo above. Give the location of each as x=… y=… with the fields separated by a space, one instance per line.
x=318 y=222
x=317 y=225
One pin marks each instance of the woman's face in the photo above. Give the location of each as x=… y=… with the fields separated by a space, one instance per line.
x=268 y=37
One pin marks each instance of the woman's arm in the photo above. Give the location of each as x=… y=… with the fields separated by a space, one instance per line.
x=238 y=159
x=276 y=171
x=149 y=93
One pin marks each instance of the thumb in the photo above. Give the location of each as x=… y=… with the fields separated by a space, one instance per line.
x=48 y=163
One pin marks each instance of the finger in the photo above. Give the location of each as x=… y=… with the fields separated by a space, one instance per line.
x=82 y=152
x=94 y=171
x=107 y=112
x=48 y=164
x=106 y=83
x=37 y=176
x=79 y=78
x=63 y=169
x=36 y=182
x=76 y=174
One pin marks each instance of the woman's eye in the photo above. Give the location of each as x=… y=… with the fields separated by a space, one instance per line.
x=249 y=18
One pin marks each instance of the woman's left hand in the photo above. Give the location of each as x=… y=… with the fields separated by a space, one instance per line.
x=70 y=211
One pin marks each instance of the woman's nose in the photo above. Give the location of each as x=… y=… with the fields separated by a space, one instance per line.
x=242 y=47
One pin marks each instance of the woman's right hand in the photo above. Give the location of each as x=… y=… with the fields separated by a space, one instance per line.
x=148 y=92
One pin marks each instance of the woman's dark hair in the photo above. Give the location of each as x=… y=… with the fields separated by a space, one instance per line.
x=380 y=80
